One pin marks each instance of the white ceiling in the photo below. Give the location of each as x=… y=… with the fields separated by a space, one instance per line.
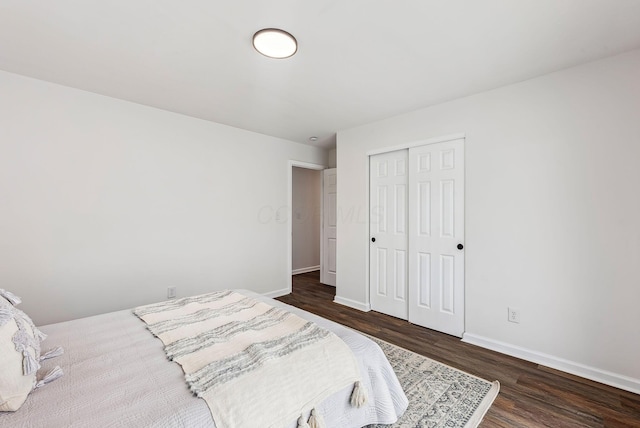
x=358 y=60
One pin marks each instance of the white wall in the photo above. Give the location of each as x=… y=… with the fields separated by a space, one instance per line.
x=333 y=157
x=552 y=214
x=305 y=226
x=105 y=203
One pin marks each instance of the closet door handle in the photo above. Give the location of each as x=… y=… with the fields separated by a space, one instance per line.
x=373 y=239
x=459 y=246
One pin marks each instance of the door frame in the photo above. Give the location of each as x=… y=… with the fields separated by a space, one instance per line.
x=369 y=153
x=289 y=228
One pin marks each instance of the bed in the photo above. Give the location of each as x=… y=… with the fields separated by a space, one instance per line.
x=116 y=373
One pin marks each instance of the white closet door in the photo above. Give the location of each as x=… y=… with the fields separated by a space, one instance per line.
x=436 y=222
x=388 y=233
x=329 y=224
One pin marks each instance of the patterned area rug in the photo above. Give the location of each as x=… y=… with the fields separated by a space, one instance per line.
x=439 y=395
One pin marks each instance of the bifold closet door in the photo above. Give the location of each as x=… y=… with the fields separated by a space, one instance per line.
x=436 y=239
x=388 y=233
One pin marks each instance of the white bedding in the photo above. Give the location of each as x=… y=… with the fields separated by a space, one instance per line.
x=117 y=374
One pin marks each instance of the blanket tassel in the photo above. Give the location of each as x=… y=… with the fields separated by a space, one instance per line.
x=29 y=363
x=302 y=422
x=12 y=298
x=51 y=375
x=359 y=395
x=38 y=334
x=316 y=420
x=52 y=353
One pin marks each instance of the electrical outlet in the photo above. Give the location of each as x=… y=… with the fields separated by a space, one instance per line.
x=171 y=292
x=513 y=315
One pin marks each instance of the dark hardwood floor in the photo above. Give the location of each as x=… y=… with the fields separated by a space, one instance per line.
x=530 y=395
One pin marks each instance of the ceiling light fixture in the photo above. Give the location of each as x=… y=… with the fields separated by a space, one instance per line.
x=275 y=43
x=313 y=139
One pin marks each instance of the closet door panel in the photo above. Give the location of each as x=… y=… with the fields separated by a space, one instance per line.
x=436 y=228
x=388 y=224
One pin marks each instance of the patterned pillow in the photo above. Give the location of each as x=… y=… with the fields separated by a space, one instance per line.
x=19 y=353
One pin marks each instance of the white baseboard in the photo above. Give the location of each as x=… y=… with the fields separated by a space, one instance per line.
x=364 y=307
x=305 y=270
x=277 y=293
x=608 y=378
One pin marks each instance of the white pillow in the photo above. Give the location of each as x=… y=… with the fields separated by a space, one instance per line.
x=19 y=354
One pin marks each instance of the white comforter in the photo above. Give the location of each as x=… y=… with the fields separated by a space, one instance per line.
x=117 y=374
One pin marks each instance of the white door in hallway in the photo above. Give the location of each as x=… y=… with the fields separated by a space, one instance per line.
x=436 y=243
x=388 y=233
x=329 y=224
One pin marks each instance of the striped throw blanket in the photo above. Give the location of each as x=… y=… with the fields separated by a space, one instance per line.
x=255 y=365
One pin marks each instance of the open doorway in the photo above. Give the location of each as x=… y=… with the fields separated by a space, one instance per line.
x=306 y=219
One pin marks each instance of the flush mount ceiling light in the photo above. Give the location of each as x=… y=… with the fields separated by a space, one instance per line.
x=275 y=43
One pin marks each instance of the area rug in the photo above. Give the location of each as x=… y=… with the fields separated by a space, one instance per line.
x=439 y=395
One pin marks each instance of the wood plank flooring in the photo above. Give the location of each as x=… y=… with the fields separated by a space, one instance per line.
x=530 y=395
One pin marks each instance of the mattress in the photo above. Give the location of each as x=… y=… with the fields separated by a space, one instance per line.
x=117 y=374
